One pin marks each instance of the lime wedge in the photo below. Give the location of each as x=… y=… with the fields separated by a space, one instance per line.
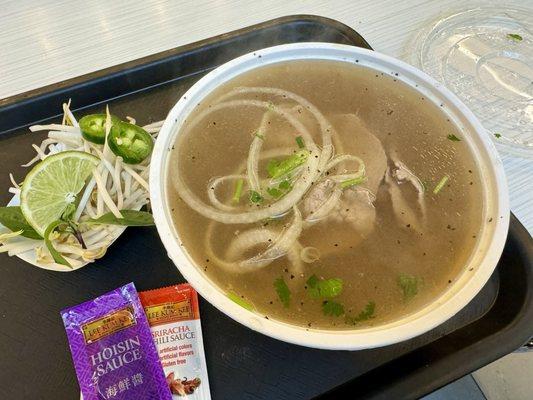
x=52 y=185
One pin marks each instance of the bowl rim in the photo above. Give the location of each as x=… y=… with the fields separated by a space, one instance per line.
x=444 y=307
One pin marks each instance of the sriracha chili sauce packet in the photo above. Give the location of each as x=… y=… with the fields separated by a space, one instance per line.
x=113 y=350
x=174 y=318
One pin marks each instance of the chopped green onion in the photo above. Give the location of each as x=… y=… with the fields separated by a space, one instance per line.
x=300 y=142
x=275 y=193
x=278 y=168
x=271 y=106
x=257 y=134
x=238 y=190
x=515 y=36
x=240 y=301
x=255 y=197
x=453 y=138
x=441 y=184
x=284 y=185
x=283 y=291
x=352 y=182
x=498 y=135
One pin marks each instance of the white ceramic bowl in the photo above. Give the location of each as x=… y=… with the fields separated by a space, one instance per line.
x=469 y=283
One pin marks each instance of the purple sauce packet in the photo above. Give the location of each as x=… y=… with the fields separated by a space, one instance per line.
x=113 y=350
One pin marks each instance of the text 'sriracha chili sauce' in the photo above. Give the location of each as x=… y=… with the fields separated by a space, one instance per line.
x=112 y=348
x=174 y=319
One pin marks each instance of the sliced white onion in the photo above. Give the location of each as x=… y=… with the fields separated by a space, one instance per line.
x=253 y=155
x=282 y=244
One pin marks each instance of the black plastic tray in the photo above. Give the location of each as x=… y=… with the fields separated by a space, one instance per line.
x=35 y=361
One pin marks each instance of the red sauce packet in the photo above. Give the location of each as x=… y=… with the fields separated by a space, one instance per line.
x=174 y=319
x=112 y=350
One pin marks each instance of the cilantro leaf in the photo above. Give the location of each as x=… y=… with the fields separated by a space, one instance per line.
x=409 y=285
x=332 y=308
x=453 y=138
x=365 y=314
x=324 y=288
x=283 y=291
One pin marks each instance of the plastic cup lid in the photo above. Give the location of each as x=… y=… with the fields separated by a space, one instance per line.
x=485 y=56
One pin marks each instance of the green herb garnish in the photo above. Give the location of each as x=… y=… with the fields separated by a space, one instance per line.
x=275 y=193
x=515 y=36
x=409 y=285
x=441 y=184
x=240 y=301
x=238 y=190
x=325 y=288
x=332 y=308
x=453 y=138
x=255 y=197
x=129 y=218
x=498 y=135
x=283 y=291
x=56 y=255
x=13 y=219
x=366 y=314
x=300 y=142
x=352 y=182
x=284 y=185
x=278 y=168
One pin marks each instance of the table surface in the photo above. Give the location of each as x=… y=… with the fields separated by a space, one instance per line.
x=48 y=41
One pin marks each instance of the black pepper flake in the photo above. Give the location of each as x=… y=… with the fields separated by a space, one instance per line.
x=301 y=303
x=356 y=60
x=172 y=209
x=266 y=317
x=336 y=245
x=309 y=324
x=396 y=73
x=408 y=225
x=470 y=171
x=471 y=269
x=207 y=260
x=286 y=270
x=271 y=302
x=449 y=281
x=398 y=241
x=490 y=219
x=390 y=112
x=424 y=254
x=474 y=236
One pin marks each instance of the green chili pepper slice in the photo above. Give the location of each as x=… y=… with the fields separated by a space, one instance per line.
x=131 y=142
x=93 y=127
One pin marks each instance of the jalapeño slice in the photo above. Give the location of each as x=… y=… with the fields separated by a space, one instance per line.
x=131 y=142
x=93 y=127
